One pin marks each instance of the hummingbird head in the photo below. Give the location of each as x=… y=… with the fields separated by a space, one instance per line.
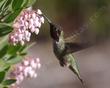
x=55 y=31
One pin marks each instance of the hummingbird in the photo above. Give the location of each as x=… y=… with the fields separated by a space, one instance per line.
x=63 y=50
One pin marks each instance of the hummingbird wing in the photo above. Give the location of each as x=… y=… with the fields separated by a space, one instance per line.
x=72 y=38
x=74 y=47
x=76 y=43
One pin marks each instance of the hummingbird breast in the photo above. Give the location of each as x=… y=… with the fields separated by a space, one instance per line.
x=59 y=49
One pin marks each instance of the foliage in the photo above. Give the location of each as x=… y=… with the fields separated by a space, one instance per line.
x=9 y=54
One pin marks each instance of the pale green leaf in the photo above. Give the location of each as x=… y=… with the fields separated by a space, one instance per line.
x=17 y=4
x=8 y=81
x=2 y=76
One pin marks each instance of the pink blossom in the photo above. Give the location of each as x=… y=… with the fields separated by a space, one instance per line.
x=28 y=22
x=25 y=69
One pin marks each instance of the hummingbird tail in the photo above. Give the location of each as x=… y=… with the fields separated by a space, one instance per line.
x=77 y=74
x=82 y=81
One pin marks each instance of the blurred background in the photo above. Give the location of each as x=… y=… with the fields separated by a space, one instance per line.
x=93 y=18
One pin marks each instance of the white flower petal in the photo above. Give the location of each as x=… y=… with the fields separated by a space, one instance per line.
x=35 y=75
x=32 y=73
x=33 y=15
x=33 y=64
x=25 y=72
x=29 y=8
x=37 y=60
x=26 y=63
x=42 y=19
x=20 y=68
x=32 y=29
x=36 y=31
x=22 y=42
x=39 y=65
x=21 y=77
x=39 y=24
x=39 y=12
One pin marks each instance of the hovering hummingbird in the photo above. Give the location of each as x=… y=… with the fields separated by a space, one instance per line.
x=63 y=50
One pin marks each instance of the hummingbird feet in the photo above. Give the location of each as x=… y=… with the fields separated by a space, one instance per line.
x=64 y=63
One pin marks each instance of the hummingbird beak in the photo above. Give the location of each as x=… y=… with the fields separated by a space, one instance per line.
x=48 y=20
x=54 y=29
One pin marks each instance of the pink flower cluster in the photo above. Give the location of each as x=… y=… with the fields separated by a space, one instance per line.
x=29 y=21
x=25 y=69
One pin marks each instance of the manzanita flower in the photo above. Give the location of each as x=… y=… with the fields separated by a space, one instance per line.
x=28 y=22
x=25 y=69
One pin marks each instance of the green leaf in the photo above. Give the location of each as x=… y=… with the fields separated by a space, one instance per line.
x=5 y=87
x=1 y=0
x=8 y=81
x=7 y=69
x=11 y=17
x=2 y=76
x=23 y=54
x=31 y=2
x=8 y=2
x=29 y=46
x=25 y=2
x=3 y=41
x=4 y=5
x=1 y=3
x=3 y=51
x=13 y=50
x=4 y=30
x=28 y=3
x=9 y=57
x=3 y=65
x=17 y=4
x=14 y=60
x=22 y=47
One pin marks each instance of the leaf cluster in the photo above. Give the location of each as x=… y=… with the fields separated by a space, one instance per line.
x=9 y=54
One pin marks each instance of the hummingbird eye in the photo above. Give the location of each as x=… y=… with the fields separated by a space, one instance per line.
x=58 y=32
x=55 y=31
